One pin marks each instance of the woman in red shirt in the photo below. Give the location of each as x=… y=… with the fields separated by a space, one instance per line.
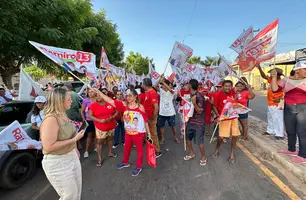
x=243 y=95
x=104 y=116
x=135 y=124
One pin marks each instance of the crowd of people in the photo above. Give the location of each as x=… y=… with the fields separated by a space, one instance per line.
x=128 y=117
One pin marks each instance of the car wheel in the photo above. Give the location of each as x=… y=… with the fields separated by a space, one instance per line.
x=17 y=170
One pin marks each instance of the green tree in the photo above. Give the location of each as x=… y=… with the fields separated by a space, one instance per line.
x=107 y=37
x=68 y=24
x=194 y=60
x=211 y=61
x=135 y=61
x=35 y=72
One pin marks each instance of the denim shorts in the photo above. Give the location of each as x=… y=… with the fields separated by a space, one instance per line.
x=195 y=132
x=244 y=116
x=163 y=119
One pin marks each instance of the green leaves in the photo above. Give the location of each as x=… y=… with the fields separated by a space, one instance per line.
x=70 y=24
x=135 y=61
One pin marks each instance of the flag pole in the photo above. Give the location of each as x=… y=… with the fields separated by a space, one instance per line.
x=169 y=59
x=213 y=135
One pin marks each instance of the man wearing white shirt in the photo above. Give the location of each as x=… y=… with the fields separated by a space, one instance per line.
x=5 y=97
x=166 y=108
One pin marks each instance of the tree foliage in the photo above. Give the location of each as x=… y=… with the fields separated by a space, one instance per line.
x=138 y=63
x=196 y=60
x=68 y=24
x=35 y=72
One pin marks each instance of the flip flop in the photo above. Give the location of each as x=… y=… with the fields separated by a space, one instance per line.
x=231 y=160
x=203 y=162
x=215 y=155
x=99 y=164
x=188 y=157
x=177 y=140
x=113 y=155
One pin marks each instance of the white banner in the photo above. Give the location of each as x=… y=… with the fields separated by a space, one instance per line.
x=28 y=89
x=13 y=137
x=179 y=55
x=70 y=60
x=242 y=40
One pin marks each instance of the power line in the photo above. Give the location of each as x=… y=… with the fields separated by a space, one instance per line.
x=191 y=17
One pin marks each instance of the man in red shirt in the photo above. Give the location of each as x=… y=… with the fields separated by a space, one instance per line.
x=151 y=107
x=226 y=127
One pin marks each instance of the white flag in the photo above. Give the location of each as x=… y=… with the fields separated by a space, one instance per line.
x=13 y=137
x=154 y=75
x=28 y=89
x=242 y=40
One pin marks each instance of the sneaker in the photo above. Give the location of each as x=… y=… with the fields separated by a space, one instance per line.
x=136 y=171
x=86 y=154
x=123 y=165
x=115 y=146
x=298 y=159
x=286 y=152
x=158 y=154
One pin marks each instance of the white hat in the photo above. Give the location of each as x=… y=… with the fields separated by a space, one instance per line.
x=40 y=99
x=300 y=65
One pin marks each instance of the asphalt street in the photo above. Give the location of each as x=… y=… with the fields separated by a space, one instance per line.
x=259 y=107
x=173 y=178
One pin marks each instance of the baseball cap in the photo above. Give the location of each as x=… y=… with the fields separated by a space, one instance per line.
x=219 y=84
x=300 y=65
x=40 y=99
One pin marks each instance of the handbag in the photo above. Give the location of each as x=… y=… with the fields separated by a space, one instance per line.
x=151 y=157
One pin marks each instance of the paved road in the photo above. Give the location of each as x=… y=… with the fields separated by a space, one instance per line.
x=259 y=107
x=173 y=178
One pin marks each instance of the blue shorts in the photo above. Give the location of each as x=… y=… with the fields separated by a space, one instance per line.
x=161 y=122
x=195 y=133
x=244 y=116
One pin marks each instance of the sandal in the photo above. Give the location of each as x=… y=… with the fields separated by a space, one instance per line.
x=215 y=155
x=177 y=140
x=99 y=164
x=203 y=162
x=232 y=160
x=113 y=155
x=162 y=142
x=188 y=157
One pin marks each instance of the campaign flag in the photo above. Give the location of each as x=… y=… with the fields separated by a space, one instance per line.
x=232 y=109
x=70 y=60
x=225 y=69
x=13 y=137
x=179 y=55
x=103 y=59
x=242 y=40
x=171 y=77
x=261 y=48
x=154 y=75
x=28 y=88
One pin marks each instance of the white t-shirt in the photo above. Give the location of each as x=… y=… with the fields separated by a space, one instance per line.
x=38 y=118
x=3 y=101
x=166 y=107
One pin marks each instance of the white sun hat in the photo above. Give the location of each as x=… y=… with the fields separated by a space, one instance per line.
x=40 y=99
x=300 y=65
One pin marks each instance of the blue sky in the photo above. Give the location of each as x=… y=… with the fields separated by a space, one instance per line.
x=149 y=26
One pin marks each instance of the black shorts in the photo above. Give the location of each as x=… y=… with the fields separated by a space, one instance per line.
x=195 y=132
x=91 y=127
x=161 y=122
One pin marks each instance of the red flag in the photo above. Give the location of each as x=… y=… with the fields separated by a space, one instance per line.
x=171 y=77
x=231 y=110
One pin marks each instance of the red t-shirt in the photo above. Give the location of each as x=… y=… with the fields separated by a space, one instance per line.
x=103 y=112
x=220 y=99
x=134 y=119
x=142 y=97
x=111 y=95
x=243 y=97
x=151 y=98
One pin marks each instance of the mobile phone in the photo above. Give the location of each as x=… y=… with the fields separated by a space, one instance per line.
x=84 y=126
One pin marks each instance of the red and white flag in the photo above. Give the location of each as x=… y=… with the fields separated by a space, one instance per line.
x=261 y=48
x=154 y=75
x=104 y=60
x=28 y=88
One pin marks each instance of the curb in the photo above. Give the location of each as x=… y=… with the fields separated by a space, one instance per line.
x=282 y=160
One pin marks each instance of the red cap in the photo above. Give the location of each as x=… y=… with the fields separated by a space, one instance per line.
x=219 y=84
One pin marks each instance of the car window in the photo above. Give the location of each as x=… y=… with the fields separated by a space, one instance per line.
x=14 y=111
